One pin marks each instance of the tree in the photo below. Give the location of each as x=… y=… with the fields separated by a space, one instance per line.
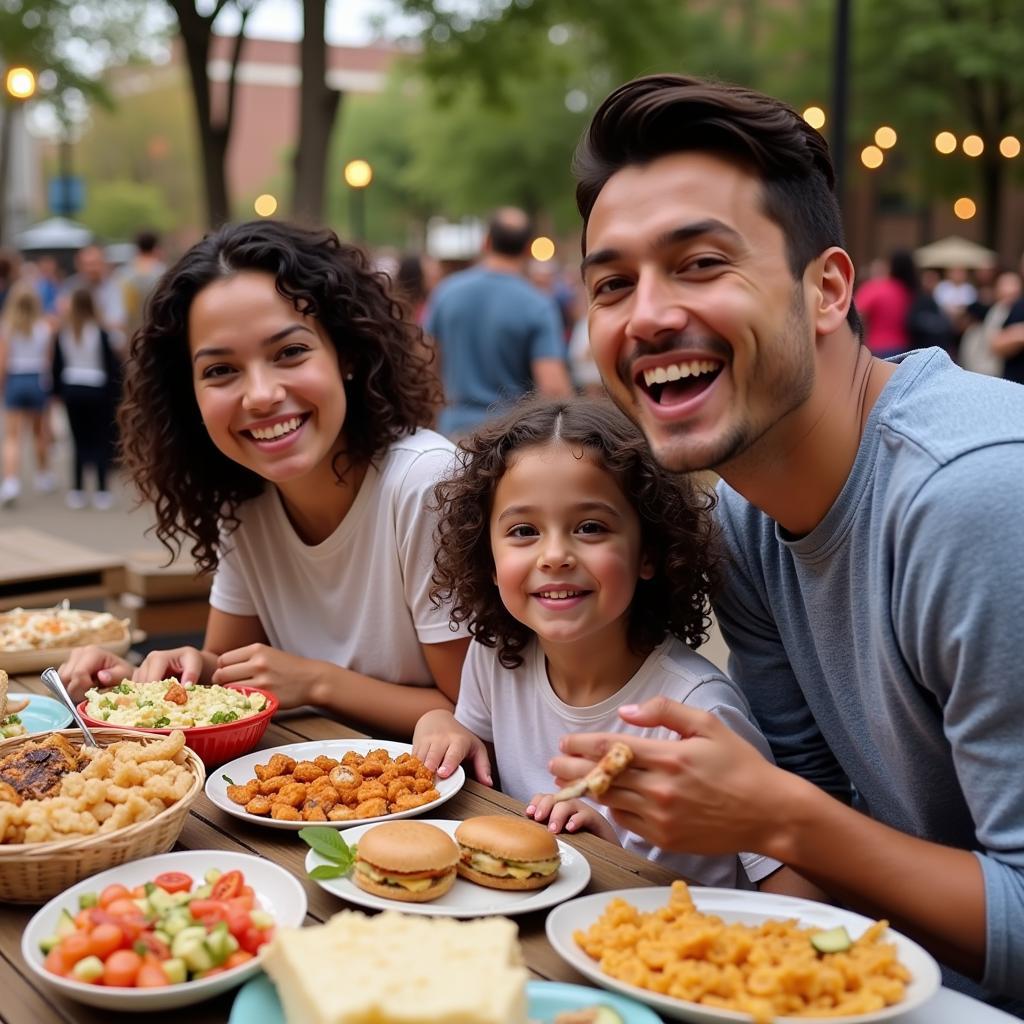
x=213 y=125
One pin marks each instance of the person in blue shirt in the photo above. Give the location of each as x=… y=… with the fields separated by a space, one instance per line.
x=498 y=337
x=871 y=512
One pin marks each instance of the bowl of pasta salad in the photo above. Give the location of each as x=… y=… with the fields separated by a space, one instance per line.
x=220 y=722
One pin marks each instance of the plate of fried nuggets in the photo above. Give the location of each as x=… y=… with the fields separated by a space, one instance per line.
x=337 y=782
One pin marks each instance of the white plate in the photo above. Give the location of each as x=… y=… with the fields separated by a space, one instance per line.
x=244 y=768
x=748 y=908
x=35 y=659
x=465 y=899
x=43 y=714
x=277 y=891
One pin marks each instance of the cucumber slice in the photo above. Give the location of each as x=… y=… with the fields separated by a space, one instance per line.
x=87 y=900
x=176 y=970
x=187 y=938
x=65 y=925
x=88 y=969
x=835 y=940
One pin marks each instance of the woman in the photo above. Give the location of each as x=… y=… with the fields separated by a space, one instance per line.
x=274 y=411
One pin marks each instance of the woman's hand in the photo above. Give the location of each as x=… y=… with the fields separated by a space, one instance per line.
x=570 y=816
x=291 y=678
x=92 y=666
x=442 y=744
x=187 y=664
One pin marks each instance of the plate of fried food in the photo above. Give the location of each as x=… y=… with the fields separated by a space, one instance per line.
x=339 y=783
x=32 y=639
x=715 y=955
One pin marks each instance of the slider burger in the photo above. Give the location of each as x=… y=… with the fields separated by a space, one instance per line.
x=405 y=860
x=507 y=853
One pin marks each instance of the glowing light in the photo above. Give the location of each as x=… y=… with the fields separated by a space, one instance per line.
x=1010 y=147
x=885 y=137
x=973 y=145
x=965 y=208
x=21 y=83
x=945 y=142
x=542 y=249
x=358 y=174
x=871 y=157
x=815 y=117
x=265 y=205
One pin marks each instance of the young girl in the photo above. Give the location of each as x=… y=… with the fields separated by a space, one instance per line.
x=26 y=351
x=86 y=377
x=274 y=403
x=584 y=571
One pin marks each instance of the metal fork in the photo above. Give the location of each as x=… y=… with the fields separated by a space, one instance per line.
x=57 y=688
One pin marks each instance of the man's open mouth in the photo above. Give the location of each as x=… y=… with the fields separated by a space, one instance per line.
x=677 y=382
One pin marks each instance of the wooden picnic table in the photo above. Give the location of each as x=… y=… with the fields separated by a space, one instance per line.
x=26 y=1000
x=38 y=569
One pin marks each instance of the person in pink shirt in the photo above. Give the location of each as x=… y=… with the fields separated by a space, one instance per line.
x=884 y=302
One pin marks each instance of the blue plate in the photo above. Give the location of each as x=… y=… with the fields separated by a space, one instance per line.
x=257 y=1001
x=43 y=714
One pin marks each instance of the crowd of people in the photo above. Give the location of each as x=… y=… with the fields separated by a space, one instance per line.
x=533 y=588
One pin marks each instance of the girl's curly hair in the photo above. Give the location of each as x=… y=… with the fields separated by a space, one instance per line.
x=165 y=447
x=677 y=530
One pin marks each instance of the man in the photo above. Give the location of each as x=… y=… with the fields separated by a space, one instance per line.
x=139 y=278
x=93 y=272
x=1008 y=344
x=498 y=337
x=872 y=515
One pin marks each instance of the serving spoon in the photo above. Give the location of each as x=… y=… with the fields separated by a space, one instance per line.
x=56 y=687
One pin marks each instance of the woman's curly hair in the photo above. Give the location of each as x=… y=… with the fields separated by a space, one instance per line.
x=165 y=447
x=677 y=530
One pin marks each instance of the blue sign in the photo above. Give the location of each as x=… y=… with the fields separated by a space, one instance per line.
x=66 y=195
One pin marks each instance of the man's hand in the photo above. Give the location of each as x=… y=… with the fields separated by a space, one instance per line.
x=570 y=816
x=442 y=744
x=709 y=792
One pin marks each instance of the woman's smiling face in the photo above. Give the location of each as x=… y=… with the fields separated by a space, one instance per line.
x=266 y=378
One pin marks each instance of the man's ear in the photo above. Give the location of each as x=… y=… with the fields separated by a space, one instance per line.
x=831 y=283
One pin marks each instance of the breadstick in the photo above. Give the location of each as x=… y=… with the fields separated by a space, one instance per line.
x=8 y=707
x=600 y=777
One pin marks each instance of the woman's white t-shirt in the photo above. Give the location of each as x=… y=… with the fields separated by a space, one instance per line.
x=359 y=599
x=519 y=712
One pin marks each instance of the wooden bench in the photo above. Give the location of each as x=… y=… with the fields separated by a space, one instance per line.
x=162 y=599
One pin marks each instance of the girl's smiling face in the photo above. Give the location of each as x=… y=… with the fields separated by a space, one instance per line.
x=567 y=545
x=266 y=378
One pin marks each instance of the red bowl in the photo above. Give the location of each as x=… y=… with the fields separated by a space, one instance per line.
x=214 y=744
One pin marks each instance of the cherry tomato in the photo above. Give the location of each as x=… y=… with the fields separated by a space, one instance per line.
x=54 y=962
x=212 y=972
x=228 y=885
x=83 y=920
x=122 y=968
x=173 y=881
x=151 y=975
x=139 y=892
x=73 y=948
x=124 y=907
x=116 y=891
x=238 y=921
x=208 y=911
x=155 y=947
x=104 y=939
x=243 y=901
x=240 y=956
x=252 y=938
x=132 y=925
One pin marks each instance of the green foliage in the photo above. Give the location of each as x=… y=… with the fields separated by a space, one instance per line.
x=117 y=209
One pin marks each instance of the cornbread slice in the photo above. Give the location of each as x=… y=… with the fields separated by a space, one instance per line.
x=399 y=969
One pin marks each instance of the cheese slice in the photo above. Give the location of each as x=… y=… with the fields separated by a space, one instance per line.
x=483 y=862
x=412 y=884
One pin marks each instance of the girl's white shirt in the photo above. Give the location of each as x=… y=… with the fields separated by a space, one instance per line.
x=359 y=599
x=30 y=352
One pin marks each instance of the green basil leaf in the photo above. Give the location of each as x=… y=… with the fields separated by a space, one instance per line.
x=228 y=780
x=327 y=871
x=328 y=843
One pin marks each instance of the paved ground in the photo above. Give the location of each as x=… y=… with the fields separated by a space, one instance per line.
x=122 y=529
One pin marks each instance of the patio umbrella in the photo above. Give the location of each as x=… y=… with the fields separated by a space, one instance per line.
x=954 y=251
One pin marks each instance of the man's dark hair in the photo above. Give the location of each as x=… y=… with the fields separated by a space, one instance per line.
x=662 y=114
x=147 y=241
x=509 y=236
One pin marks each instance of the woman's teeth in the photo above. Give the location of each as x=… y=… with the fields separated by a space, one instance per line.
x=561 y=595
x=277 y=430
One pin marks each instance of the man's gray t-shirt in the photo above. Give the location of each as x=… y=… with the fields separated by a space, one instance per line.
x=489 y=327
x=883 y=651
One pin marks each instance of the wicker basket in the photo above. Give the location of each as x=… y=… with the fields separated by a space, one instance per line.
x=35 y=872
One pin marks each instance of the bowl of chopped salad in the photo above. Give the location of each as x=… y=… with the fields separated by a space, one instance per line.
x=220 y=722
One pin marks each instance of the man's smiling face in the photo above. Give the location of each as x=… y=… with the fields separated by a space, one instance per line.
x=696 y=322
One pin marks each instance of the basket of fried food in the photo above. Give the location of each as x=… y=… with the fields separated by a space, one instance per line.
x=68 y=810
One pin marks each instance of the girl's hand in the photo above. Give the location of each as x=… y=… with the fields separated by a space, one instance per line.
x=292 y=679
x=92 y=666
x=442 y=744
x=570 y=816
x=184 y=663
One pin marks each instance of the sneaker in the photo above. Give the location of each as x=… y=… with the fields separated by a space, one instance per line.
x=75 y=499
x=46 y=483
x=10 y=488
x=103 y=500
